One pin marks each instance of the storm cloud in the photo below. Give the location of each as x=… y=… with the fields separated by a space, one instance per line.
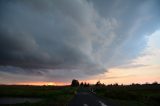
x=71 y=38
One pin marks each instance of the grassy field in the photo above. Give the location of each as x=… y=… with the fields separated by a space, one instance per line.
x=132 y=95
x=51 y=95
x=116 y=95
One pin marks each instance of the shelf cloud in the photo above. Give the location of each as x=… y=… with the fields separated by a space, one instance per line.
x=60 y=40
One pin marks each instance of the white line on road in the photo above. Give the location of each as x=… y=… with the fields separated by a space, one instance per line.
x=85 y=105
x=102 y=104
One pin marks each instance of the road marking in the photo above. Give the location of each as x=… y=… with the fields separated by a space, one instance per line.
x=85 y=105
x=102 y=104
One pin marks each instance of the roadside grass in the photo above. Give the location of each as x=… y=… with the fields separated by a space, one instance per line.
x=130 y=95
x=51 y=95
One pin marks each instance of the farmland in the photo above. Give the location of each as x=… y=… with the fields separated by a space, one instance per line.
x=112 y=95
x=50 y=95
x=131 y=95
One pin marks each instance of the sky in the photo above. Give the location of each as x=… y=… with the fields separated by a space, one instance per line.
x=55 y=41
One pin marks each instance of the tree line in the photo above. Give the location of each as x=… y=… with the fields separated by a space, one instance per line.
x=76 y=83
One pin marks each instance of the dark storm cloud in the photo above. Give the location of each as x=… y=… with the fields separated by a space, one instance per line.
x=71 y=38
x=45 y=34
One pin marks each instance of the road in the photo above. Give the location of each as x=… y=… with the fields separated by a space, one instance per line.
x=86 y=98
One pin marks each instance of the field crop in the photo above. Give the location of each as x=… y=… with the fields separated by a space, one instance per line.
x=51 y=95
x=131 y=95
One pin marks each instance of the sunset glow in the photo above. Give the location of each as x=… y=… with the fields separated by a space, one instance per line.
x=41 y=83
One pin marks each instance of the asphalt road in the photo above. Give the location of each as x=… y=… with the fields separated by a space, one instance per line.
x=85 y=98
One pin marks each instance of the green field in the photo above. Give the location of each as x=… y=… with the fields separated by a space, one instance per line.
x=51 y=95
x=131 y=95
x=115 y=95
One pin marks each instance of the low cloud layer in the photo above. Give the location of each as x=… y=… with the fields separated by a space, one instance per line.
x=60 y=40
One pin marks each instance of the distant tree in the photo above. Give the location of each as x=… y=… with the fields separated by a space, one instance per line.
x=155 y=83
x=122 y=85
x=84 y=84
x=116 y=84
x=133 y=84
x=147 y=83
x=88 y=85
x=98 y=83
x=75 y=83
x=81 y=84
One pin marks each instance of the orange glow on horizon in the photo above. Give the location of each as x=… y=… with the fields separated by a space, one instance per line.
x=141 y=75
x=43 y=83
